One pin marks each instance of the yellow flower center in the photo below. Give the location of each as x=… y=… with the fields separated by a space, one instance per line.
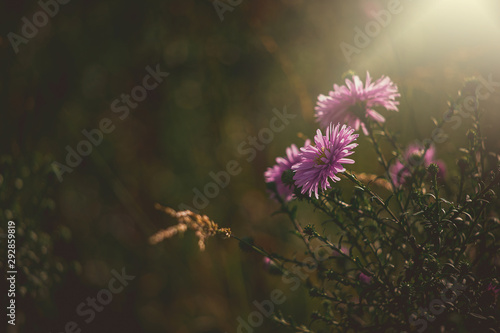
x=318 y=159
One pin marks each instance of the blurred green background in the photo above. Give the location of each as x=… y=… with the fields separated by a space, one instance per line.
x=225 y=78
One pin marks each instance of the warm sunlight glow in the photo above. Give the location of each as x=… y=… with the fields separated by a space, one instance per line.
x=473 y=15
x=442 y=34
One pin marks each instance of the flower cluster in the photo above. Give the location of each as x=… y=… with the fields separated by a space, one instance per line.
x=354 y=102
x=403 y=249
x=315 y=165
x=414 y=156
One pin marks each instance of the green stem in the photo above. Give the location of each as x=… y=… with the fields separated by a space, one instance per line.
x=383 y=162
x=296 y=224
x=263 y=252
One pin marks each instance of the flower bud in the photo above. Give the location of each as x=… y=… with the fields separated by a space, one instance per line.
x=433 y=169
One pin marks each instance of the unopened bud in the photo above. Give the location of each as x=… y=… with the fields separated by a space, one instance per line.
x=433 y=169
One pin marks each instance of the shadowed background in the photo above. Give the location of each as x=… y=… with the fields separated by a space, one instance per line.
x=225 y=79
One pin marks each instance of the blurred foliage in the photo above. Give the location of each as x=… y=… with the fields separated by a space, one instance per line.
x=41 y=242
x=225 y=79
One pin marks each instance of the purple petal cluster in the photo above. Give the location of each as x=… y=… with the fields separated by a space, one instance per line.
x=413 y=157
x=354 y=102
x=320 y=162
x=274 y=173
x=344 y=249
x=364 y=278
x=494 y=290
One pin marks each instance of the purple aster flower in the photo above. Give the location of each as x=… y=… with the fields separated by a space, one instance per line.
x=494 y=289
x=399 y=173
x=271 y=266
x=412 y=158
x=365 y=278
x=353 y=102
x=322 y=161
x=267 y=262
x=442 y=170
x=414 y=155
x=344 y=249
x=274 y=173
